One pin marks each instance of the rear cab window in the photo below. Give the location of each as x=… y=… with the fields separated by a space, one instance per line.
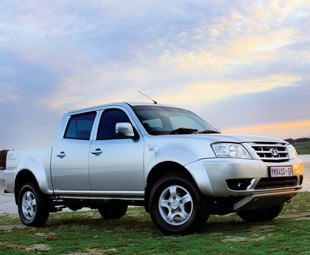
x=80 y=126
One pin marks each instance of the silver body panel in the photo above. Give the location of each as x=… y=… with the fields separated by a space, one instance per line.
x=120 y=169
x=37 y=161
x=71 y=171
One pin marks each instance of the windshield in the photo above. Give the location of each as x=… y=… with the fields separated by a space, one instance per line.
x=159 y=120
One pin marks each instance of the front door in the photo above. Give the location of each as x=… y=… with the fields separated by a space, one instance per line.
x=115 y=162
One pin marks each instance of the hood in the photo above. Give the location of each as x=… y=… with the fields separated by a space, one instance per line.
x=241 y=138
x=213 y=138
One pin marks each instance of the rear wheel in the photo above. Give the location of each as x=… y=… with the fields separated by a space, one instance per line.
x=263 y=214
x=32 y=206
x=112 y=211
x=177 y=206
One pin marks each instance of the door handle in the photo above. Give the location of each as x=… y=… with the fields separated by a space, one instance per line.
x=61 y=154
x=97 y=151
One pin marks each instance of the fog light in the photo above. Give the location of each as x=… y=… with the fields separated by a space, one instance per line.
x=239 y=184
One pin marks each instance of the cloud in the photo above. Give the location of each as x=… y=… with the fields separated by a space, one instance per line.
x=305 y=123
x=281 y=130
x=278 y=105
x=213 y=56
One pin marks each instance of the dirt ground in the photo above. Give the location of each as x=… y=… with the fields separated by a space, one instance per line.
x=7 y=204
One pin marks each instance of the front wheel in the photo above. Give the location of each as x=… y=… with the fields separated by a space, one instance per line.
x=177 y=206
x=262 y=214
x=32 y=206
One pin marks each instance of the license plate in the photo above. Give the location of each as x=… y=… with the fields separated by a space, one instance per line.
x=281 y=171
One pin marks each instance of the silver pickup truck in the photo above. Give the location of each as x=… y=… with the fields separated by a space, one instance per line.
x=164 y=158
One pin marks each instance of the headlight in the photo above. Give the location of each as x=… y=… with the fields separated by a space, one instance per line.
x=230 y=150
x=292 y=151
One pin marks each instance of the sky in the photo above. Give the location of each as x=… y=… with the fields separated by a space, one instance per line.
x=243 y=66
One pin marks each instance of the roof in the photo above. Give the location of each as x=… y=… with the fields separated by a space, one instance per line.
x=124 y=104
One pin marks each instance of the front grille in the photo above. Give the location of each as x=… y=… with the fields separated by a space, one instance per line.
x=272 y=183
x=271 y=152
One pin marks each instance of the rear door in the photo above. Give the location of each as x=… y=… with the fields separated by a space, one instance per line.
x=71 y=153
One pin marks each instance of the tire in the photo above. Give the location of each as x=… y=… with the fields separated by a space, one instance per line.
x=263 y=214
x=33 y=207
x=177 y=206
x=112 y=211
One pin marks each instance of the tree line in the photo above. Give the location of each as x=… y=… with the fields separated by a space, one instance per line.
x=3 y=157
x=298 y=140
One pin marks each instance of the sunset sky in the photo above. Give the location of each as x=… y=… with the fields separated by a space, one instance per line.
x=243 y=66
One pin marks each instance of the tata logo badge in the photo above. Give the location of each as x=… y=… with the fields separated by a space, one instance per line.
x=274 y=152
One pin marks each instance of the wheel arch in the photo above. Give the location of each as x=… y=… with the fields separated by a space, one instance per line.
x=160 y=170
x=24 y=176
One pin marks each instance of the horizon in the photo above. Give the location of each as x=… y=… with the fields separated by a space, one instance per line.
x=241 y=66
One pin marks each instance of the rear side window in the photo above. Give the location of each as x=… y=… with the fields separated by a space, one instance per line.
x=80 y=126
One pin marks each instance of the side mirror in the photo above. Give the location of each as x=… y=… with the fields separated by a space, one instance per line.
x=124 y=129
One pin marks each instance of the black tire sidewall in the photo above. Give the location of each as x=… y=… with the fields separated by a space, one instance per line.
x=199 y=213
x=112 y=211
x=42 y=212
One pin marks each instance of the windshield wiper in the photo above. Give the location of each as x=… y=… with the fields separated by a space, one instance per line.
x=184 y=131
x=209 y=132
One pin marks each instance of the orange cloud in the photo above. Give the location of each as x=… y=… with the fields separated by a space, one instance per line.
x=282 y=130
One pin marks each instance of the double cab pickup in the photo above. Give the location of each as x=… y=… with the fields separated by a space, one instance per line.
x=164 y=158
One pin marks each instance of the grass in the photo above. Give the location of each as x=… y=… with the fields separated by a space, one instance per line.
x=302 y=148
x=88 y=233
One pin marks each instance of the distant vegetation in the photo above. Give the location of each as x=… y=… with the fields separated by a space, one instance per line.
x=298 y=140
x=302 y=145
x=302 y=148
x=3 y=158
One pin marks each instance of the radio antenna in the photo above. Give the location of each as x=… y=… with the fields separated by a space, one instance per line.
x=147 y=97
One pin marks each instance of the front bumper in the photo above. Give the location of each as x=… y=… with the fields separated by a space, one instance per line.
x=220 y=178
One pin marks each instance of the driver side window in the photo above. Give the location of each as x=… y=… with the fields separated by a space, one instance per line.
x=108 y=121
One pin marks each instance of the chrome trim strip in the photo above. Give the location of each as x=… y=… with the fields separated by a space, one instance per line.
x=102 y=198
x=268 y=145
x=94 y=194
